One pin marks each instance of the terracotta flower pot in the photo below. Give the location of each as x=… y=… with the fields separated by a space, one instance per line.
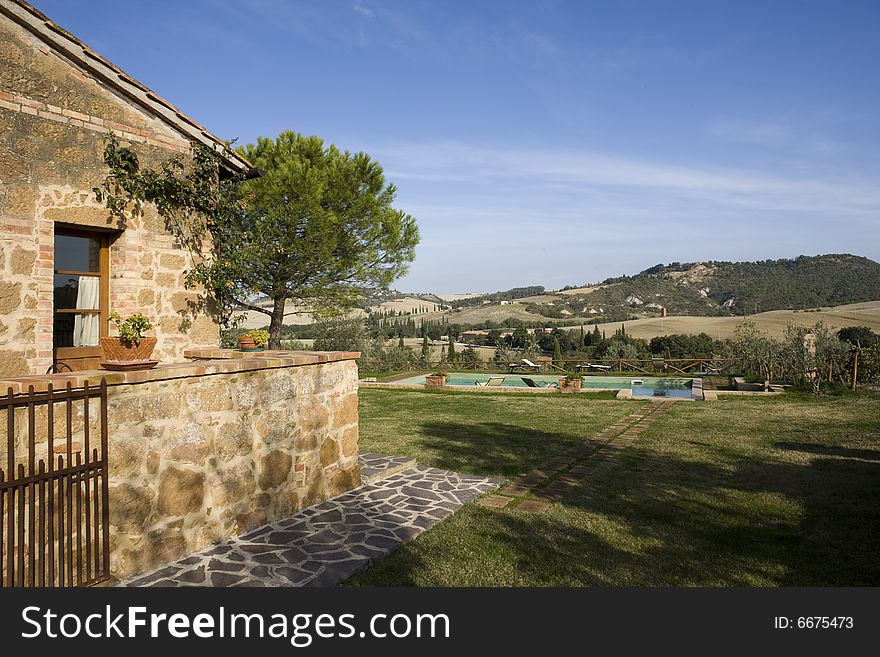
x=435 y=381
x=246 y=343
x=569 y=385
x=119 y=355
x=114 y=349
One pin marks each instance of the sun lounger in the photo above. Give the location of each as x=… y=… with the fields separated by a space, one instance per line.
x=525 y=365
x=716 y=370
x=493 y=381
x=590 y=366
x=532 y=384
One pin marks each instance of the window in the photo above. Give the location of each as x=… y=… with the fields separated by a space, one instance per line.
x=81 y=294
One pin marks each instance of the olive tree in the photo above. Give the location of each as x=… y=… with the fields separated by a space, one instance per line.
x=814 y=354
x=753 y=351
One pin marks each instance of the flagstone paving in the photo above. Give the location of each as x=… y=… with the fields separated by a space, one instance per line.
x=329 y=542
x=378 y=466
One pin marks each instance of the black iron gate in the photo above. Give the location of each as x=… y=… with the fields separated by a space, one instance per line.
x=54 y=514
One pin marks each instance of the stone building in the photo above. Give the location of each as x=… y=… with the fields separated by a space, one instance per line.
x=64 y=263
x=209 y=444
x=474 y=337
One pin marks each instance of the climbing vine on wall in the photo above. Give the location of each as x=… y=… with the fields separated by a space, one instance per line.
x=189 y=198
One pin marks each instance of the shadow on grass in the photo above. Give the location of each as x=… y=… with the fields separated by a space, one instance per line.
x=489 y=448
x=658 y=519
x=830 y=450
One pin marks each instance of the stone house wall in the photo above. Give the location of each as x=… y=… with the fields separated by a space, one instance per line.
x=54 y=119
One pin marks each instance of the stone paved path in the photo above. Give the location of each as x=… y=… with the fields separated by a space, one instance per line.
x=537 y=490
x=326 y=543
x=378 y=466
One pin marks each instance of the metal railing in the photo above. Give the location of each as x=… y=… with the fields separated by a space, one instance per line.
x=54 y=513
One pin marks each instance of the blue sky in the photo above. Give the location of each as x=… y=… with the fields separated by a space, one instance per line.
x=547 y=143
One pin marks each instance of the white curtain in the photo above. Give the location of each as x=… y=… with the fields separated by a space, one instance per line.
x=85 y=326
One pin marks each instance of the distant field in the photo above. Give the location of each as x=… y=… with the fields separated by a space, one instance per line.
x=773 y=322
x=539 y=298
x=494 y=313
x=254 y=320
x=459 y=297
x=580 y=290
x=405 y=304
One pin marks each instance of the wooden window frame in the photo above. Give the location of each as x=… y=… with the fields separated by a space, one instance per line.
x=66 y=353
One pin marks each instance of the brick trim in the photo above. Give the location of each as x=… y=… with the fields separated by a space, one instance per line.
x=24 y=105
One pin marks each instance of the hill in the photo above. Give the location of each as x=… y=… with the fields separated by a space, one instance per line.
x=748 y=287
x=711 y=289
x=706 y=289
x=772 y=322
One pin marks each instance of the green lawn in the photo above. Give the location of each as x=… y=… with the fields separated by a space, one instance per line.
x=778 y=491
x=497 y=434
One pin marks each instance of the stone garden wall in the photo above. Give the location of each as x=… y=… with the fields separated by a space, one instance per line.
x=204 y=451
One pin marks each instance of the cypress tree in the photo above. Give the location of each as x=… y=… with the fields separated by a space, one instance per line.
x=451 y=354
x=557 y=353
x=426 y=350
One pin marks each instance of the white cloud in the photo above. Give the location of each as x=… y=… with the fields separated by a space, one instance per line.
x=616 y=215
x=363 y=11
x=582 y=173
x=750 y=132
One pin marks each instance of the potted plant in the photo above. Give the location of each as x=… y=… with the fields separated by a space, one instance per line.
x=253 y=340
x=131 y=349
x=435 y=379
x=570 y=382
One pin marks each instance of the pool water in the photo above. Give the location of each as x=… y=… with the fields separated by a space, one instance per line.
x=645 y=387
x=510 y=380
x=659 y=388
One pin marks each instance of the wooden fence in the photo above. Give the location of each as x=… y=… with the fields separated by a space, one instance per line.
x=683 y=366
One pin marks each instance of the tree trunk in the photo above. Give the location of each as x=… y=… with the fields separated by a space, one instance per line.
x=276 y=324
x=855 y=368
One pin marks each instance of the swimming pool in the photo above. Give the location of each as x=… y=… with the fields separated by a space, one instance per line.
x=641 y=387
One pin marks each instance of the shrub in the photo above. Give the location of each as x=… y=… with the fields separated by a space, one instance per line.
x=132 y=328
x=260 y=336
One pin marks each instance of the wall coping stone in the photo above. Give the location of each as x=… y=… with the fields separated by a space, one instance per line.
x=208 y=362
x=209 y=353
